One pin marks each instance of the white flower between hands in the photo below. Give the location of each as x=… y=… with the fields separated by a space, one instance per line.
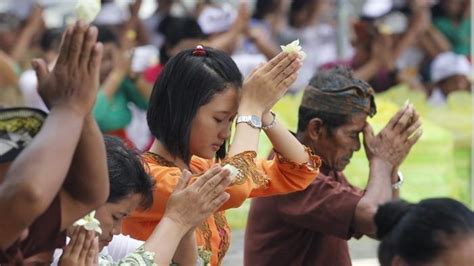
x=89 y=223
x=294 y=47
x=87 y=10
x=232 y=169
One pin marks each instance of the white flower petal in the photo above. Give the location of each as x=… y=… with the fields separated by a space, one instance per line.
x=99 y=230
x=87 y=10
x=89 y=223
x=232 y=169
x=294 y=47
x=302 y=55
x=80 y=222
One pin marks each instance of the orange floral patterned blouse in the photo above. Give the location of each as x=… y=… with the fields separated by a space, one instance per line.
x=255 y=179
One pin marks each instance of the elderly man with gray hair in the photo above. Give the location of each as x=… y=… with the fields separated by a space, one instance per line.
x=311 y=227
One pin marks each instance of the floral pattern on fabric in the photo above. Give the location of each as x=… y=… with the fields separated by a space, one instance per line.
x=138 y=257
x=314 y=162
x=159 y=160
x=223 y=229
x=205 y=256
x=245 y=162
x=205 y=230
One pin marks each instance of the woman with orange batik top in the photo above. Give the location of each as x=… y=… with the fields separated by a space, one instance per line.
x=192 y=107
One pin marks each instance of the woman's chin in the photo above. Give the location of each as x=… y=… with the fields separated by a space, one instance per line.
x=208 y=155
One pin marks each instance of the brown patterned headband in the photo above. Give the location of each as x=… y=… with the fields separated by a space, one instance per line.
x=350 y=99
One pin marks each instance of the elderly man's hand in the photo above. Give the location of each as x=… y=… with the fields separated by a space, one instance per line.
x=74 y=81
x=394 y=142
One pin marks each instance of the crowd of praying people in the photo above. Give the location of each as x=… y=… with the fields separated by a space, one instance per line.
x=123 y=140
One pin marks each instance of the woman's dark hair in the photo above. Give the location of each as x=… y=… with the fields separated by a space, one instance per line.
x=419 y=232
x=176 y=29
x=296 y=7
x=127 y=174
x=263 y=8
x=186 y=83
x=107 y=35
x=51 y=39
x=439 y=10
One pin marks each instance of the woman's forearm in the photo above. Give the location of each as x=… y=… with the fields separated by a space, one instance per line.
x=246 y=137
x=284 y=142
x=143 y=87
x=112 y=83
x=165 y=240
x=186 y=253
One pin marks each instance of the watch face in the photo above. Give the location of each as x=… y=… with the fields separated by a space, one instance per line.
x=256 y=121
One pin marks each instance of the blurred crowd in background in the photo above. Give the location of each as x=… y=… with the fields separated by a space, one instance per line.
x=423 y=44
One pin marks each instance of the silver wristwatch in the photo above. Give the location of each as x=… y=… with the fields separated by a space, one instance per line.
x=252 y=120
x=399 y=182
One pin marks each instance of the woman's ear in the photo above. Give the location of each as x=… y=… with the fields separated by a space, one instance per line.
x=315 y=129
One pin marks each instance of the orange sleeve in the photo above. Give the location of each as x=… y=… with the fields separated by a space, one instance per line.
x=262 y=179
x=238 y=192
x=265 y=178
x=140 y=224
x=284 y=176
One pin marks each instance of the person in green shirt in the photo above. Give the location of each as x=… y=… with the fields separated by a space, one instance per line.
x=453 y=20
x=118 y=88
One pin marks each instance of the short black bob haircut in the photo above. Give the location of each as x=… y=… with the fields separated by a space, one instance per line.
x=418 y=233
x=186 y=83
x=127 y=174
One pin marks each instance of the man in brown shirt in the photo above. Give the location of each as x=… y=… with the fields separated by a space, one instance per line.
x=53 y=169
x=311 y=227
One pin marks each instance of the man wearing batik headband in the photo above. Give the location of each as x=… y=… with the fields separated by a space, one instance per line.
x=53 y=169
x=312 y=227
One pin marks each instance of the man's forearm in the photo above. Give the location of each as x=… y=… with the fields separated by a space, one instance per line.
x=379 y=187
x=378 y=191
x=37 y=174
x=88 y=180
x=8 y=76
x=395 y=192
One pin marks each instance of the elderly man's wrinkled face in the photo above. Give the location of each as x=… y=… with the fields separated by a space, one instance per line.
x=337 y=147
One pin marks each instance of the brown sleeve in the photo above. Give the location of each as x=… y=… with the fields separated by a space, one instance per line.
x=326 y=206
x=44 y=234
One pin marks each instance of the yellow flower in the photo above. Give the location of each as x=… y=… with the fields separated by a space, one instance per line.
x=294 y=47
x=87 y=10
x=89 y=223
x=385 y=29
